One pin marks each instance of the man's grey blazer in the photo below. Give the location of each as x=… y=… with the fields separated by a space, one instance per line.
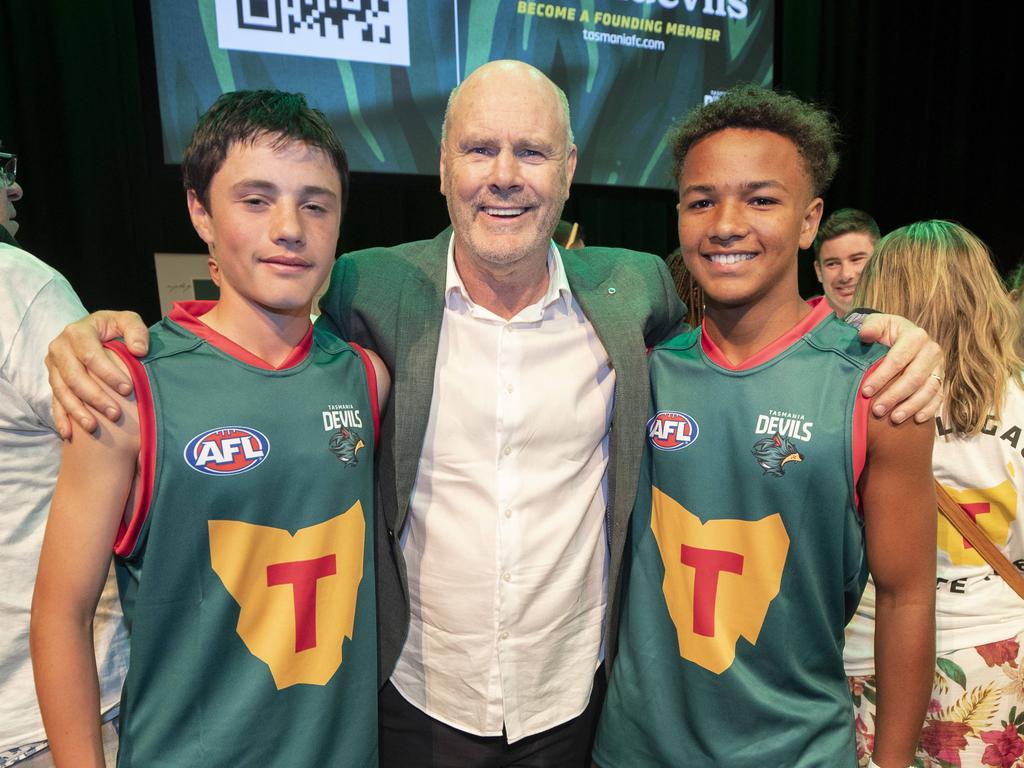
x=391 y=300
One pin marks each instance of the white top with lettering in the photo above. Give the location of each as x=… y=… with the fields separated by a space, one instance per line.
x=973 y=606
x=505 y=543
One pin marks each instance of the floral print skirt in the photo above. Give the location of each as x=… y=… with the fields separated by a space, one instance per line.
x=976 y=715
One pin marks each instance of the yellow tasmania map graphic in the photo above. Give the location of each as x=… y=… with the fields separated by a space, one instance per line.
x=297 y=594
x=720 y=578
x=993 y=509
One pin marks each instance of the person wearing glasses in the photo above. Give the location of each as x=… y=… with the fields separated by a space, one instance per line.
x=11 y=193
x=37 y=303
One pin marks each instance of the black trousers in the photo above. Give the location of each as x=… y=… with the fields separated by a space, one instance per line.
x=410 y=738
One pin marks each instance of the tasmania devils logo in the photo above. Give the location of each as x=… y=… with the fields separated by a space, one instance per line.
x=775 y=452
x=671 y=430
x=227 y=451
x=345 y=445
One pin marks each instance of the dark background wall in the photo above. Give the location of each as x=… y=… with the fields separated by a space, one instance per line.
x=923 y=90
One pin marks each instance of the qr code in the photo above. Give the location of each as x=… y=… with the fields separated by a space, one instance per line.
x=375 y=31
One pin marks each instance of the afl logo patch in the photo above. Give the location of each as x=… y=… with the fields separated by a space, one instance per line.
x=227 y=451
x=671 y=430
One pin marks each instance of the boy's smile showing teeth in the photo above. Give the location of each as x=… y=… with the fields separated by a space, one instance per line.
x=729 y=258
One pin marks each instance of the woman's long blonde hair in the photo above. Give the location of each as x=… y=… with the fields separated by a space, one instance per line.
x=940 y=276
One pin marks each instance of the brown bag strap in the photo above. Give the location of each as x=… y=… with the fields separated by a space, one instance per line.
x=971 y=531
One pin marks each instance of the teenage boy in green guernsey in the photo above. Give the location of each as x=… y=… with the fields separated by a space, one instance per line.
x=765 y=476
x=237 y=489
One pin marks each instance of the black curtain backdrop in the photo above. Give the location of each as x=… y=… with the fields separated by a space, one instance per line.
x=924 y=91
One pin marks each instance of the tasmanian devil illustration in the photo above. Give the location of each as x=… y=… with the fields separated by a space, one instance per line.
x=345 y=444
x=772 y=453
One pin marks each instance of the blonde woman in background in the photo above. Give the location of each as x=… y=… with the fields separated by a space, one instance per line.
x=941 y=277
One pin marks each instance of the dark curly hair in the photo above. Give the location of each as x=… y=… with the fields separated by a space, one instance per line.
x=753 y=107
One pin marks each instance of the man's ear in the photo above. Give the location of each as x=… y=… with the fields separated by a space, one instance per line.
x=817 y=270
x=570 y=166
x=441 y=167
x=200 y=217
x=811 y=220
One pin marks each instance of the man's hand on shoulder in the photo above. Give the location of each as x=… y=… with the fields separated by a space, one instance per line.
x=909 y=374
x=79 y=351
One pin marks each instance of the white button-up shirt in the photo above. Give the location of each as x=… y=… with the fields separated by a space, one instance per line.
x=505 y=543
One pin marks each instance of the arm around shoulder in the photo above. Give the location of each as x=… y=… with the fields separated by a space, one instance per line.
x=670 y=311
x=78 y=352
x=908 y=377
x=334 y=303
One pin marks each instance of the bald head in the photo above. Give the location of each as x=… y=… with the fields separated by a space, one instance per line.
x=506 y=164
x=507 y=76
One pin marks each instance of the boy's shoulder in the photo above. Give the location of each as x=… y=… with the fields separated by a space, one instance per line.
x=684 y=342
x=829 y=334
x=835 y=335
x=167 y=338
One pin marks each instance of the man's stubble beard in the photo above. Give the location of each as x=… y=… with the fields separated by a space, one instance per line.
x=463 y=220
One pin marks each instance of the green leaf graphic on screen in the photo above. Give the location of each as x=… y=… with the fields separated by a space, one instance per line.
x=348 y=84
x=741 y=32
x=218 y=57
x=592 y=49
x=480 y=34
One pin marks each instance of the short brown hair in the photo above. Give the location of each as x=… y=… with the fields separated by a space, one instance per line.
x=843 y=222
x=246 y=116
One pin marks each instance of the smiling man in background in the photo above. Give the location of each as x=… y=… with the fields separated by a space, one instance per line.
x=841 y=251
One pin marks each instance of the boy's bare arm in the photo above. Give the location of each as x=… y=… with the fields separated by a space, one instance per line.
x=94 y=485
x=898 y=497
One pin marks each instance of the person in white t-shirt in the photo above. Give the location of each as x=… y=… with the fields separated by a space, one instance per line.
x=37 y=303
x=940 y=276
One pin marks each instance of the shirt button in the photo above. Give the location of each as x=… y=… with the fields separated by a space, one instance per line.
x=506 y=576
x=503 y=636
x=507 y=451
x=509 y=388
x=508 y=513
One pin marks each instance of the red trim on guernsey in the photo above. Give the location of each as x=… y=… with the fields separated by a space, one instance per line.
x=128 y=533
x=861 y=412
x=187 y=314
x=820 y=310
x=371 y=383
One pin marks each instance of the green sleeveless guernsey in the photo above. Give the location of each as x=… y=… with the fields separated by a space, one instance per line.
x=246 y=570
x=746 y=558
